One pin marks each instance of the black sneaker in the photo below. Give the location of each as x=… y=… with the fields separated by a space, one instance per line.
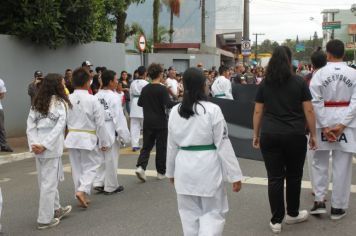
x=337 y=214
x=62 y=212
x=99 y=189
x=6 y=149
x=318 y=208
x=118 y=190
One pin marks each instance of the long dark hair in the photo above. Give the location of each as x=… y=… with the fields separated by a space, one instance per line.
x=51 y=85
x=279 y=69
x=194 y=91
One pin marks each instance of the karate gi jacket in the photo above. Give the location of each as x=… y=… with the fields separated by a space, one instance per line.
x=200 y=173
x=135 y=92
x=48 y=130
x=221 y=88
x=86 y=122
x=333 y=88
x=115 y=119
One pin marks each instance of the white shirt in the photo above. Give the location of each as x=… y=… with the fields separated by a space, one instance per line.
x=172 y=84
x=86 y=122
x=200 y=173
x=221 y=88
x=335 y=82
x=135 y=91
x=115 y=119
x=48 y=130
x=2 y=90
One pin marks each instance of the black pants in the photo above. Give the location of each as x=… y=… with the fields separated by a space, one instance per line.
x=284 y=157
x=150 y=137
x=2 y=130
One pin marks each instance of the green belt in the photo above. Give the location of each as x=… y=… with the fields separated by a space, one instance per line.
x=220 y=95
x=199 y=148
x=82 y=131
x=136 y=96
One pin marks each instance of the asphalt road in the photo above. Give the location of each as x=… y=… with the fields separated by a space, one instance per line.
x=150 y=208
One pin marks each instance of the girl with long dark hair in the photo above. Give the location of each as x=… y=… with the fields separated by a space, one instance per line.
x=200 y=158
x=45 y=132
x=283 y=109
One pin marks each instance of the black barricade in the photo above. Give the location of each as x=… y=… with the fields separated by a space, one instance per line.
x=238 y=114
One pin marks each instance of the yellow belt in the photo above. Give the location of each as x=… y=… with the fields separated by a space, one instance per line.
x=82 y=131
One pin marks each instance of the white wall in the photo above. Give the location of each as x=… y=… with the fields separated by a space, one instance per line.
x=19 y=60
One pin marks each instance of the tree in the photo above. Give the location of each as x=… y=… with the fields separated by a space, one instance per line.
x=118 y=9
x=156 y=8
x=174 y=7
x=162 y=34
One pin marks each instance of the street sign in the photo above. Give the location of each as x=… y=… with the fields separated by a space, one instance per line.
x=246 y=47
x=142 y=43
x=331 y=25
x=300 y=47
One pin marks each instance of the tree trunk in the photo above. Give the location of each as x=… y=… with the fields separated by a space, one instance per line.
x=171 y=28
x=120 y=27
x=156 y=6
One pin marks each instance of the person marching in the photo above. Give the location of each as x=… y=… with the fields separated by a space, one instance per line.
x=333 y=88
x=200 y=158
x=45 y=132
x=86 y=123
x=221 y=87
x=136 y=112
x=154 y=100
x=115 y=122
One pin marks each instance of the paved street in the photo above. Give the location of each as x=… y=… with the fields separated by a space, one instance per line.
x=150 y=208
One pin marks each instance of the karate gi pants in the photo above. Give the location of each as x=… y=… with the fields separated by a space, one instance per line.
x=106 y=174
x=84 y=164
x=341 y=176
x=284 y=157
x=150 y=137
x=48 y=177
x=203 y=216
x=136 y=125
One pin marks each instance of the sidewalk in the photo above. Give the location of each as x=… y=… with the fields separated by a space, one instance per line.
x=20 y=147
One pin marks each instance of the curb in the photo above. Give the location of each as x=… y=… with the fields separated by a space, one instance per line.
x=15 y=157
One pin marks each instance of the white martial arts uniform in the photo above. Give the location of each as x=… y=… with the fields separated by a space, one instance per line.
x=136 y=112
x=116 y=126
x=172 y=85
x=221 y=88
x=333 y=88
x=199 y=175
x=48 y=130
x=86 y=123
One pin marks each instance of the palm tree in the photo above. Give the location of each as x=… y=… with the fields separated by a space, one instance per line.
x=156 y=8
x=174 y=6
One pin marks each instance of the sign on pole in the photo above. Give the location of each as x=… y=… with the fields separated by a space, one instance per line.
x=246 y=47
x=142 y=43
x=331 y=25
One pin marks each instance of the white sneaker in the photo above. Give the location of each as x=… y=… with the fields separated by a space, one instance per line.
x=160 y=176
x=276 y=228
x=303 y=216
x=140 y=173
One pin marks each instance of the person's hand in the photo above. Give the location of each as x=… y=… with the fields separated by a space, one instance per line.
x=329 y=134
x=171 y=180
x=38 y=148
x=236 y=187
x=104 y=149
x=312 y=143
x=338 y=130
x=256 y=142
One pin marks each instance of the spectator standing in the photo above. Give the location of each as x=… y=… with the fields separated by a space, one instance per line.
x=125 y=85
x=172 y=83
x=238 y=77
x=4 y=147
x=68 y=80
x=283 y=103
x=34 y=85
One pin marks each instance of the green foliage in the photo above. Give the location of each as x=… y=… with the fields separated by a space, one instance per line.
x=310 y=46
x=162 y=36
x=349 y=55
x=56 y=22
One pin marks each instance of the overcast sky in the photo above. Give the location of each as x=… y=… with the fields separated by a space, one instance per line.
x=281 y=19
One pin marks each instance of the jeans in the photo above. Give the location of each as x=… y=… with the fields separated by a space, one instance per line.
x=284 y=157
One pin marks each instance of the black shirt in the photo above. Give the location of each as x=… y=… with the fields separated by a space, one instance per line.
x=283 y=106
x=154 y=100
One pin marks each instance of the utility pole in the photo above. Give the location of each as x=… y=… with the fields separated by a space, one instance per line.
x=246 y=29
x=256 y=49
x=203 y=21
